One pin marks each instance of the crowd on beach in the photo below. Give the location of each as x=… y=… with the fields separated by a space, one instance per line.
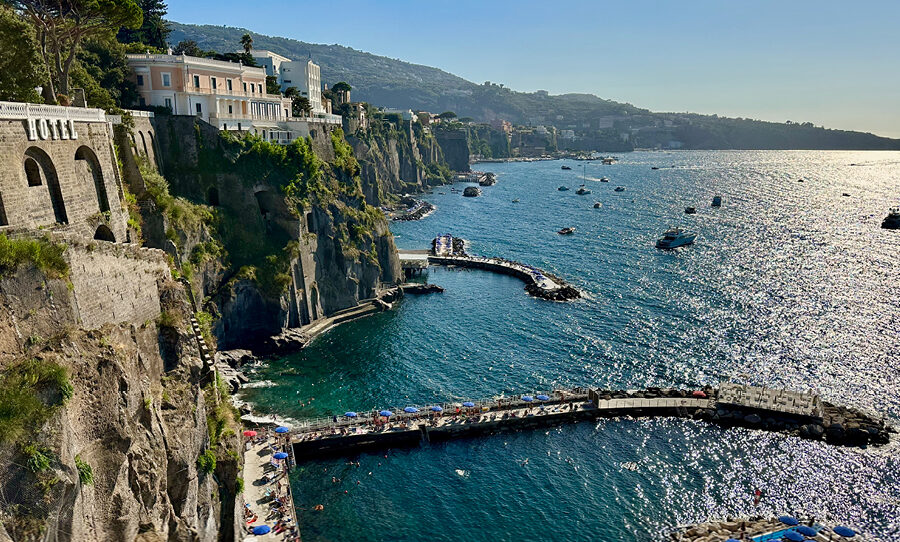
x=276 y=503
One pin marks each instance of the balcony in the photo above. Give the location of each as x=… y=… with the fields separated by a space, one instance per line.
x=27 y=111
x=225 y=93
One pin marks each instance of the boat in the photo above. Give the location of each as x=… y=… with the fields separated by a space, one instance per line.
x=604 y=180
x=563 y=188
x=566 y=231
x=654 y=167
x=892 y=220
x=846 y=194
x=472 y=192
x=717 y=201
x=608 y=161
x=597 y=205
x=675 y=237
x=620 y=189
x=690 y=210
x=582 y=191
x=565 y=167
x=516 y=200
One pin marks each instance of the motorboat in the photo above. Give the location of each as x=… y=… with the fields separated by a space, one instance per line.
x=565 y=167
x=604 y=180
x=566 y=231
x=582 y=191
x=597 y=205
x=654 y=167
x=619 y=189
x=690 y=210
x=717 y=201
x=675 y=237
x=563 y=188
x=608 y=161
x=892 y=220
x=515 y=200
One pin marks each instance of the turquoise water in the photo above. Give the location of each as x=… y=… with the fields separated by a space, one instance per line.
x=789 y=284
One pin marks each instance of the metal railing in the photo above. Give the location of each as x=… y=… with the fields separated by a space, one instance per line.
x=186 y=59
x=27 y=111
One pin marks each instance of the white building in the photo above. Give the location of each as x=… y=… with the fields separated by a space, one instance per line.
x=305 y=75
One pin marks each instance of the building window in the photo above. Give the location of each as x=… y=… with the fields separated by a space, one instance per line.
x=196 y=81
x=245 y=87
x=169 y=103
x=212 y=81
x=239 y=127
x=230 y=110
x=199 y=109
x=141 y=101
x=140 y=80
x=167 y=80
x=252 y=87
x=32 y=172
x=228 y=84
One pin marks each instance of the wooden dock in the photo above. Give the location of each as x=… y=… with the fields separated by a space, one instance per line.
x=411 y=426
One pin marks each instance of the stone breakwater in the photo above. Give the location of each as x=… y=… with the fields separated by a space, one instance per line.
x=757 y=526
x=418 y=211
x=537 y=283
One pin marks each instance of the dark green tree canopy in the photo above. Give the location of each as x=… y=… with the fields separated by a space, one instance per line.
x=341 y=87
x=154 y=30
x=21 y=65
x=247 y=42
x=447 y=115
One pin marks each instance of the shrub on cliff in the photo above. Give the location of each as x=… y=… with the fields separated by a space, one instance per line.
x=30 y=392
x=44 y=254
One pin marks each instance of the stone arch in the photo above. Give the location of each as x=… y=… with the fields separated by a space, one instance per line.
x=32 y=172
x=87 y=155
x=212 y=196
x=49 y=174
x=103 y=233
x=144 y=144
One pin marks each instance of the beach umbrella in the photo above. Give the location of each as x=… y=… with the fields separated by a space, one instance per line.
x=846 y=532
x=350 y=414
x=794 y=536
x=732 y=540
x=249 y=433
x=527 y=398
x=282 y=429
x=808 y=531
x=699 y=394
x=280 y=455
x=436 y=409
x=789 y=520
x=410 y=409
x=468 y=404
x=261 y=529
x=543 y=397
x=385 y=413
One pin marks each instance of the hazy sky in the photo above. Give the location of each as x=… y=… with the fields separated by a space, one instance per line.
x=827 y=62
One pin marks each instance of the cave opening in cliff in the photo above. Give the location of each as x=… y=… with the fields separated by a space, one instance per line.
x=212 y=196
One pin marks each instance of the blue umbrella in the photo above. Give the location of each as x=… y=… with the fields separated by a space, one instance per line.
x=468 y=404
x=844 y=531
x=789 y=520
x=527 y=398
x=794 y=536
x=350 y=414
x=543 y=397
x=732 y=540
x=436 y=409
x=410 y=409
x=808 y=531
x=282 y=429
x=279 y=455
x=385 y=412
x=261 y=529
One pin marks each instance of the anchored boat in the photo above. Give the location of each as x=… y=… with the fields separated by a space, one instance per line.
x=717 y=201
x=690 y=210
x=566 y=231
x=675 y=237
x=563 y=188
x=582 y=191
x=892 y=220
x=620 y=189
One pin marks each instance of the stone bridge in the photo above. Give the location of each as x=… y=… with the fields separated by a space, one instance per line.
x=60 y=171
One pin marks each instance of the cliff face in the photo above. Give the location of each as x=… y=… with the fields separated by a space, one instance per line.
x=110 y=451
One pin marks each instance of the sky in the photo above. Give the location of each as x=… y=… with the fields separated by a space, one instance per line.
x=832 y=63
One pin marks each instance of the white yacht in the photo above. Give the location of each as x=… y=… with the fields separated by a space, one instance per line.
x=675 y=237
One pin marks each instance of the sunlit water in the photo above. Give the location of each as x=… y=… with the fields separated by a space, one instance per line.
x=789 y=284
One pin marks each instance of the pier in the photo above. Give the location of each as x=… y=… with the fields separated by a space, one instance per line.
x=799 y=414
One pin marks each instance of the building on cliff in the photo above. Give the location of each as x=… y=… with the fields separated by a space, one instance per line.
x=305 y=75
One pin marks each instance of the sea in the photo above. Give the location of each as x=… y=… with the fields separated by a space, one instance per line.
x=791 y=284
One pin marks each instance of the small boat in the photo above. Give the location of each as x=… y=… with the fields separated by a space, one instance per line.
x=654 y=167
x=442 y=193
x=619 y=189
x=846 y=194
x=690 y=210
x=566 y=231
x=608 y=161
x=717 y=201
x=597 y=205
x=675 y=237
x=582 y=191
x=604 y=180
x=892 y=220
x=565 y=167
x=516 y=200
x=563 y=188
x=799 y=180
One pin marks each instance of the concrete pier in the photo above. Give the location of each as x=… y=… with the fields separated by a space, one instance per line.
x=341 y=435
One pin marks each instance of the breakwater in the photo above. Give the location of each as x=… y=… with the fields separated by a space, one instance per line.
x=537 y=283
x=798 y=414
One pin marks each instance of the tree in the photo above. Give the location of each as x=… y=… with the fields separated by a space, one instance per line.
x=154 y=30
x=189 y=48
x=272 y=86
x=447 y=115
x=20 y=63
x=341 y=87
x=247 y=42
x=300 y=106
x=102 y=70
x=63 y=25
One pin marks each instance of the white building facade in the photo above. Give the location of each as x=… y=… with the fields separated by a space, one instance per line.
x=305 y=75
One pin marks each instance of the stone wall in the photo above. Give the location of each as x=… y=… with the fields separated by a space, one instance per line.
x=70 y=184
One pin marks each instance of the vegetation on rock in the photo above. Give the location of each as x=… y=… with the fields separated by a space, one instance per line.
x=44 y=254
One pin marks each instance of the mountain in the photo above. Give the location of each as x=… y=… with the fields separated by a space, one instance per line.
x=394 y=83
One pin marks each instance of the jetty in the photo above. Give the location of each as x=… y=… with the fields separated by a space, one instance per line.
x=759 y=528
x=799 y=414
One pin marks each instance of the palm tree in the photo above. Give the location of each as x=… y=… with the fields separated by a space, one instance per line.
x=247 y=42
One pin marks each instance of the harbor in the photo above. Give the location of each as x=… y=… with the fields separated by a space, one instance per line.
x=795 y=413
